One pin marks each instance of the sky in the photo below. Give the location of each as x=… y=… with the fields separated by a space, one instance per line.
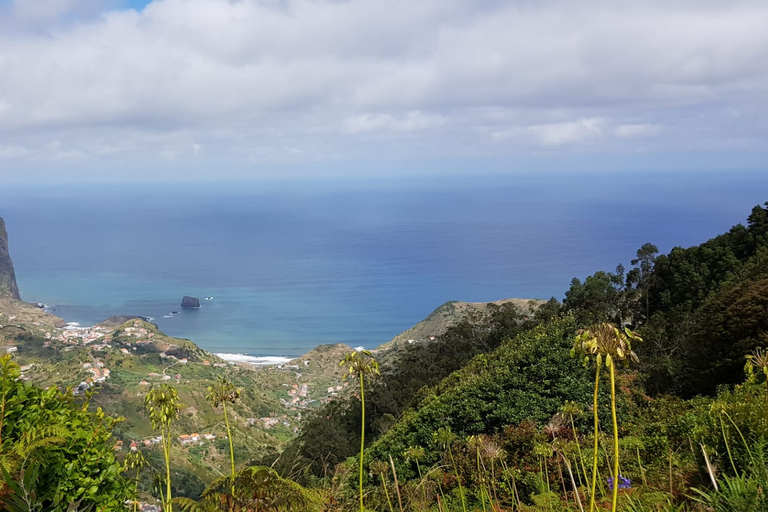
x=110 y=90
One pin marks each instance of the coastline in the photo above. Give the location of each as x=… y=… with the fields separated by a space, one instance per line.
x=254 y=360
x=236 y=358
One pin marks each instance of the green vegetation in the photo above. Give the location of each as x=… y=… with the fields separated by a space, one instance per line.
x=452 y=313
x=329 y=435
x=502 y=430
x=56 y=453
x=495 y=413
x=361 y=365
x=257 y=488
x=135 y=460
x=606 y=343
x=224 y=392
x=163 y=405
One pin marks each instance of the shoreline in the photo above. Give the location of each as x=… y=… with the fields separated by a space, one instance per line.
x=237 y=357
x=253 y=360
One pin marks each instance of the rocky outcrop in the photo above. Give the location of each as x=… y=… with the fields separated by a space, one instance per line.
x=8 y=286
x=190 y=302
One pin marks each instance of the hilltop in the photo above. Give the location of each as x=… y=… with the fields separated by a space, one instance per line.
x=450 y=314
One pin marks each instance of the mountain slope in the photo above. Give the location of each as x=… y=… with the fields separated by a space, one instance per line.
x=450 y=314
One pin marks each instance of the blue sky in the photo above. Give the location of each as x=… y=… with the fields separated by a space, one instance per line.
x=100 y=90
x=137 y=4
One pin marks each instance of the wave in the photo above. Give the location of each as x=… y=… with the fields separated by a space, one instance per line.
x=255 y=360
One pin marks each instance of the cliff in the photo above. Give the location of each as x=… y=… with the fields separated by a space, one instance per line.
x=8 y=287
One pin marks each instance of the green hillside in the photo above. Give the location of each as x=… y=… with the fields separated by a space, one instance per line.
x=120 y=363
x=645 y=389
x=512 y=427
x=450 y=314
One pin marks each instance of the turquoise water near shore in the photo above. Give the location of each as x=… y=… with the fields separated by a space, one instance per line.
x=291 y=266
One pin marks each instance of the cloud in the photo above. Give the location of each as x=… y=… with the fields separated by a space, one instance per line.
x=410 y=122
x=377 y=79
x=556 y=134
x=13 y=152
x=633 y=131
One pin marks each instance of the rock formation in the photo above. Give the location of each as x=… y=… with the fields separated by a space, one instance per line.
x=8 y=287
x=190 y=302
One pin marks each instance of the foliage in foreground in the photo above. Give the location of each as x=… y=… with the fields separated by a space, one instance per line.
x=55 y=452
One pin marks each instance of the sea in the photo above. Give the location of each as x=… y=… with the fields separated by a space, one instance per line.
x=281 y=267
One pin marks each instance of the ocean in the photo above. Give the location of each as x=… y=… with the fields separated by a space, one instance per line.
x=296 y=264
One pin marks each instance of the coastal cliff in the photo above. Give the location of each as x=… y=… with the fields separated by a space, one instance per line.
x=8 y=286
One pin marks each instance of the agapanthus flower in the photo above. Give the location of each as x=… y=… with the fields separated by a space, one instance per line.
x=624 y=483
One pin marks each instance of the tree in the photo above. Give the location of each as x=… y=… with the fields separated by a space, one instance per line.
x=361 y=365
x=606 y=342
x=598 y=299
x=643 y=272
x=223 y=392
x=163 y=405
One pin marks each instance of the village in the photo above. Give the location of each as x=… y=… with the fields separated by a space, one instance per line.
x=128 y=341
x=184 y=439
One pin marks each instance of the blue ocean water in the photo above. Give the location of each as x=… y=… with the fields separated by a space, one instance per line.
x=293 y=265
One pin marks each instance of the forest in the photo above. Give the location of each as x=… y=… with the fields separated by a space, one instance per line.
x=645 y=388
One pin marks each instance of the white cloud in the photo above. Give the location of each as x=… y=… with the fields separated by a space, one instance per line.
x=377 y=79
x=571 y=132
x=633 y=131
x=410 y=122
x=13 y=152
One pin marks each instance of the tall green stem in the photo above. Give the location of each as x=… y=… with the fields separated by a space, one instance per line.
x=615 y=496
x=515 y=494
x=231 y=447
x=136 y=491
x=728 y=447
x=458 y=479
x=2 y=412
x=640 y=465
x=578 y=449
x=480 y=472
x=746 y=445
x=167 y=448
x=593 y=491
x=386 y=493
x=160 y=488
x=493 y=482
x=362 y=439
x=421 y=482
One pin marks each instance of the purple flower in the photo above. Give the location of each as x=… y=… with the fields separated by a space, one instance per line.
x=624 y=483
